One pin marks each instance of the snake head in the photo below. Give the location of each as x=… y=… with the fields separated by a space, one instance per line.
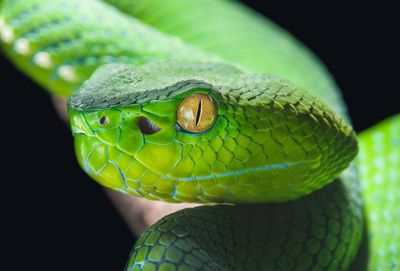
x=205 y=132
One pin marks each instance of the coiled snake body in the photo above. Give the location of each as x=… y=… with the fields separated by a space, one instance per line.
x=192 y=107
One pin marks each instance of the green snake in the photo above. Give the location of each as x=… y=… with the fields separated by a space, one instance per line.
x=207 y=101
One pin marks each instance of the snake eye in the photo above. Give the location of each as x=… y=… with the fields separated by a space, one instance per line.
x=103 y=121
x=196 y=113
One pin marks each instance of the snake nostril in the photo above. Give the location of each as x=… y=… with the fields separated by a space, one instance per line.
x=147 y=127
x=103 y=121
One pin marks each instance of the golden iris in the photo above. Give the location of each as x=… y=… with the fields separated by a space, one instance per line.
x=196 y=113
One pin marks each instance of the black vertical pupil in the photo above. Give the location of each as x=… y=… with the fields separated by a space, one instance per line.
x=103 y=120
x=198 y=113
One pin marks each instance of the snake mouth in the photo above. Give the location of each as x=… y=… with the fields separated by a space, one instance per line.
x=110 y=158
x=93 y=157
x=111 y=166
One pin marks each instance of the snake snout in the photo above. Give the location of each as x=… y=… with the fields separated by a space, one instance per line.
x=79 y=124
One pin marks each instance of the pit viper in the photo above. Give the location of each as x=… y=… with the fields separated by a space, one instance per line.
x=207 y=101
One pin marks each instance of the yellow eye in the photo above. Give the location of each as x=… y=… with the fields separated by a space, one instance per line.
x=196 y=113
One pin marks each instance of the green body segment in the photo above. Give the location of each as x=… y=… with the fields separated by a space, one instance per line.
x=61 y=43
x=317 y=232
x=272 y=141
x=379 y=162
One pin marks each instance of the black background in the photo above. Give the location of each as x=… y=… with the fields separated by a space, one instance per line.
x=56 y=218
